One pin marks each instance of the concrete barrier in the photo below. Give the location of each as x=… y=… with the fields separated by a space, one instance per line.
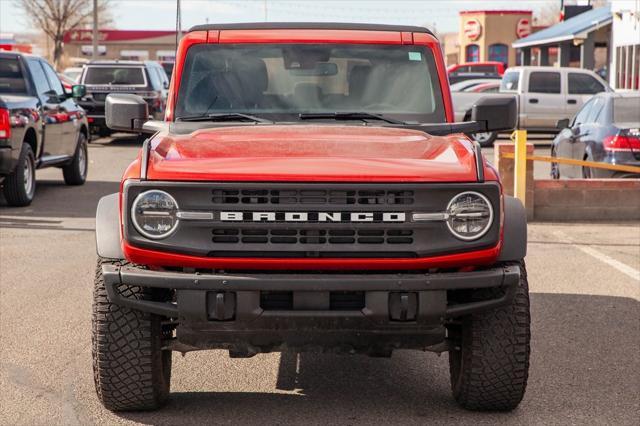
x=573 y=199
x=586 y=199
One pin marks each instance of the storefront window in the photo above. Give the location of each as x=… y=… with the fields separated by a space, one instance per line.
x=472 y=53
x=499 y=52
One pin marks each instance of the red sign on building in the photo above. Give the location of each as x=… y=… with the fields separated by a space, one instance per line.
x=472 y=29
x=523 y=28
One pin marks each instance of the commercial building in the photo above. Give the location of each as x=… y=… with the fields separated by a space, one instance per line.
x=625 y=45
x=120 y=44
x=10 y=43
x=487 y=35
x=582 y=41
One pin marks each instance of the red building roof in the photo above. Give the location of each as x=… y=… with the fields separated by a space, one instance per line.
x=79 y=36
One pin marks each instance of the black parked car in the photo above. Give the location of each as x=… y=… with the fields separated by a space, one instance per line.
x=144 y=78
x=606 y=129
x=41 y=125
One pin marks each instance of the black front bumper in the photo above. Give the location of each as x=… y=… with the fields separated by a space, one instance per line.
x=232 y=311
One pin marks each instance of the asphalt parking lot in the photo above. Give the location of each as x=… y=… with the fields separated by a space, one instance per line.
x=585 y=369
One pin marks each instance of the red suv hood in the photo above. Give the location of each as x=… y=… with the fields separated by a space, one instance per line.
x=311 y=153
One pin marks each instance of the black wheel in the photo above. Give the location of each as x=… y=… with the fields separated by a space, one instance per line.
x=75 y=173
x=104 y=132
x=130 y=369
x=485 y=139
x=20 y=185
x=490 y=366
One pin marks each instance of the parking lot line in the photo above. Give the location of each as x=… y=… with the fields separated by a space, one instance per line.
x=621 y=267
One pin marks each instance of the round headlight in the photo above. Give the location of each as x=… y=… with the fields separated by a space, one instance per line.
x=469 y=215
x=154 y=214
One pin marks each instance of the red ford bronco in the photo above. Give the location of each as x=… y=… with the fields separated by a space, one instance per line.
x=310 y=190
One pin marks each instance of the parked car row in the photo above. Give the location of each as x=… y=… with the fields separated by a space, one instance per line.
x=144 y=78
x=474 y=70
x=41 y=125
x=544 y=95
x=606 y=129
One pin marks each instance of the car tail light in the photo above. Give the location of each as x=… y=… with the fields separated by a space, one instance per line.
x=622 y=143
x=5 y=124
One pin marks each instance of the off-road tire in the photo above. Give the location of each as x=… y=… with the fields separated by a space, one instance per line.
x=491 y=367
x=75 y=173
x=130 y=370
x=15 y=189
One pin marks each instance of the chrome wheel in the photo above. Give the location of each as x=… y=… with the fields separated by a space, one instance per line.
x=29 y=177
x=82 y=160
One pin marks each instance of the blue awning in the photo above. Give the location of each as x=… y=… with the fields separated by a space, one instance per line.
x=577 y=27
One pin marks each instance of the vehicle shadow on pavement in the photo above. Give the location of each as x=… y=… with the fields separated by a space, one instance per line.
x=120 y=140
x=584 y=369
x=55 y=199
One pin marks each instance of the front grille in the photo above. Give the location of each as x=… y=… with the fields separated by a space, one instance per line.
x=312 y=236
x=312 y=220
x=315 y=196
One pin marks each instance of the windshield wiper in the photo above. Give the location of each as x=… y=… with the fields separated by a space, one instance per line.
x=225 y=116
x=347 y=116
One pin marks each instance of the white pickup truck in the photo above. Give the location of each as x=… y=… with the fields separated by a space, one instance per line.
x=544 y=94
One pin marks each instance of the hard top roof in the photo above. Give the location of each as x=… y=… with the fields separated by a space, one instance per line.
x=124 y=62
x=309 y=26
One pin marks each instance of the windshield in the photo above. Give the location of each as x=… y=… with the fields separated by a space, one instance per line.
x=510 y=81
x=285 y=80
x=11 y=80
x=115 y=75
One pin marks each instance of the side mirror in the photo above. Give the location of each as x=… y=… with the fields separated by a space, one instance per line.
x=562 y=124
x=496 y=113
x=126 y=112
x=78 y=91
x=52 y=96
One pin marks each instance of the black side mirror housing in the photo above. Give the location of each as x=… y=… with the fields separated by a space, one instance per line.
x=126 y=112
x=562 y=124
x=496 y=113
x=78 y=91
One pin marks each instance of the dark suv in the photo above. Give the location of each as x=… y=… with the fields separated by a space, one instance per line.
x=144 y=78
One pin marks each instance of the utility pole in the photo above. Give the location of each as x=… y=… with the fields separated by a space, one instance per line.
x=94 y=37
x=178 y=21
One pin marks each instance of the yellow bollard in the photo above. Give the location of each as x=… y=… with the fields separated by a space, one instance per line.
x=520 y=165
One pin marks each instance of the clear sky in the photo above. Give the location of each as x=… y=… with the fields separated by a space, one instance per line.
x=160 y=14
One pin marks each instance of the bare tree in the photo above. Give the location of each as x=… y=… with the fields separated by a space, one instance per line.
x=548 y=14
x=56 y=17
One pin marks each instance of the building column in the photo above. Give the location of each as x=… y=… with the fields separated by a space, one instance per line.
x=564 y=53
x=544 y=55
x=587 y=50
x=525 y=56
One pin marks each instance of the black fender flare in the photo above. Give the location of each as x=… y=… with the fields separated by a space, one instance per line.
x=514 y=245
x=108 y=227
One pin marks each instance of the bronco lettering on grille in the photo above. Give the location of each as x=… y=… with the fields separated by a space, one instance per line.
x=312 y=217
